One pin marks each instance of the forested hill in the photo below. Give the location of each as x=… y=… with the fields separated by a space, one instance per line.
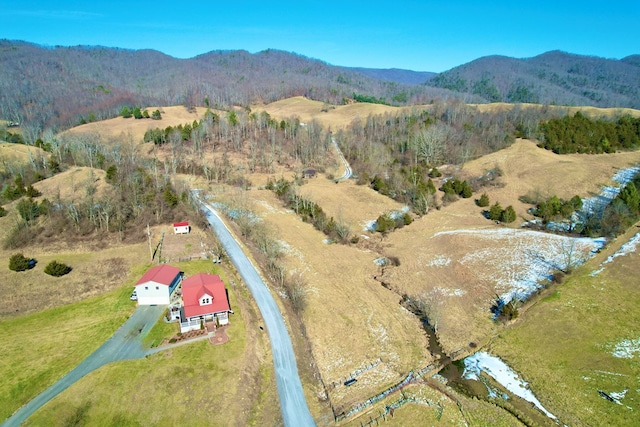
x=63 y=86
x=397 y=75
x=59 y=86
x=551 y=78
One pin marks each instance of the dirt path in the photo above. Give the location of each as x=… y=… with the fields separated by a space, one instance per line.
x=293 y=404
x=124 y=344
x=347 y=168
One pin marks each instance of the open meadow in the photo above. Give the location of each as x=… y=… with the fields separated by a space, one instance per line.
x=581 y=339
x=197 y=383
x=355 y=323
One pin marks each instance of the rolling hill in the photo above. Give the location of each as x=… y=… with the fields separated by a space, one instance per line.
x=551 y=78
x=64 y=86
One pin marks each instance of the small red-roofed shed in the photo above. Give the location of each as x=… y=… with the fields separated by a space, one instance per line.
x=204 y=299
x=181 y=227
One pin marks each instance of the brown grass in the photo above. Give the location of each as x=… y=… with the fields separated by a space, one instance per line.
x=343 y=296
x=13 y=156
x=121 y=127
x=339 y=116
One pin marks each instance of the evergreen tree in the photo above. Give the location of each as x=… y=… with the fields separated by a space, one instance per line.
x=57 y=269
x=508 y=215
x=18 y=262
x=495 y=213
x=483 y=201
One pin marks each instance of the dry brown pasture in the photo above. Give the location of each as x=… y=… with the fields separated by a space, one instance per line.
x=336 y=116
x=590 y=111
x=460 y=271
x=15 y=156
x=120 y=127
x=351 y=320
x=340 y=116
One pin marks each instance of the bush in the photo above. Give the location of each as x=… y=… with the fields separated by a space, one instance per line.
x=3 y=212
x=435 y=173
x=483 y=201
x=19 y=262
x=57 y=269
x=495 y=213
x=508 y=215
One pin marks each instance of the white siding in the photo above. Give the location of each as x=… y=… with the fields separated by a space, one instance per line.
x=153 y=293
x=183 y=229
x=223 y=318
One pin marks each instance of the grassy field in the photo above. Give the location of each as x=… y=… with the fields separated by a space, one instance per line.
x=135 y=129
x=564 y=345
x=14 y=156
x=197 y=383
x=40 y=348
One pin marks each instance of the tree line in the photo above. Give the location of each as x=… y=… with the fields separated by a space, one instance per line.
x=580 y=134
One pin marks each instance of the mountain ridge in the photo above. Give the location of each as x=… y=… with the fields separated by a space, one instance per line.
x=60 y=86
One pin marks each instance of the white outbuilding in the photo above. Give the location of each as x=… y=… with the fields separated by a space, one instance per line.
x=157 y=284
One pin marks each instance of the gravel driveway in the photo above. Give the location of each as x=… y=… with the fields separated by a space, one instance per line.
x=124 y=344
x=293 y=405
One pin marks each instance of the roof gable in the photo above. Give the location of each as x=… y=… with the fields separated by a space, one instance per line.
x=200 y=285
x=163 y=274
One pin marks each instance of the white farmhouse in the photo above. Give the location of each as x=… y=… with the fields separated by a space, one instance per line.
x=157 y=284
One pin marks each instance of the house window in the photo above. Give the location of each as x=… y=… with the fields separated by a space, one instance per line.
x=157 y=288
x=205 y=301
x=146 y=288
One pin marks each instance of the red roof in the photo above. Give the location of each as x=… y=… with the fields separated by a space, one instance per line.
x=163 y=274
x=181 y=224
x=194 y=287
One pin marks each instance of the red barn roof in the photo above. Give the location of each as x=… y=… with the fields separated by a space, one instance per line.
x=163 y=274
x=181 y=224
x=194 y=287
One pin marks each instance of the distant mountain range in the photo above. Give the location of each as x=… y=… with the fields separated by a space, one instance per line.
x=551 y=78
x=61 y=86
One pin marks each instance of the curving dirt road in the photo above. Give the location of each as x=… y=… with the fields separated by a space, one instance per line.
x=293 y=405
x=347 y=168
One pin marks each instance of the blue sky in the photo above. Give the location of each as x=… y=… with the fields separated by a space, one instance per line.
x=416 y=35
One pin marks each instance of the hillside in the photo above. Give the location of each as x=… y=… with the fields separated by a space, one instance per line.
x=551 y=78
x=397 y=75
x=61 y=86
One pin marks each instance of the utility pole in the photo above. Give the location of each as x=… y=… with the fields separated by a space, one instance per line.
x=149 y=240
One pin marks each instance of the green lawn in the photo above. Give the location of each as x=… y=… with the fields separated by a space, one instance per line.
x=194 y=384
x=37 y=350
x=563 y=346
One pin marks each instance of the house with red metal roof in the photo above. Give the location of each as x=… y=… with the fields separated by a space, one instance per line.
x=157 y=284
x=204 y=299
x=181 y=227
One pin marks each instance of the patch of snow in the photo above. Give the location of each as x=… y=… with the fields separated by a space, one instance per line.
x=439 y=261
x=618 y=396
x=499 y=371
x=450 y=292
x=626 y=249
x=594 y=205
x=370 y=225
x=627 y=349
x=524 y=258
